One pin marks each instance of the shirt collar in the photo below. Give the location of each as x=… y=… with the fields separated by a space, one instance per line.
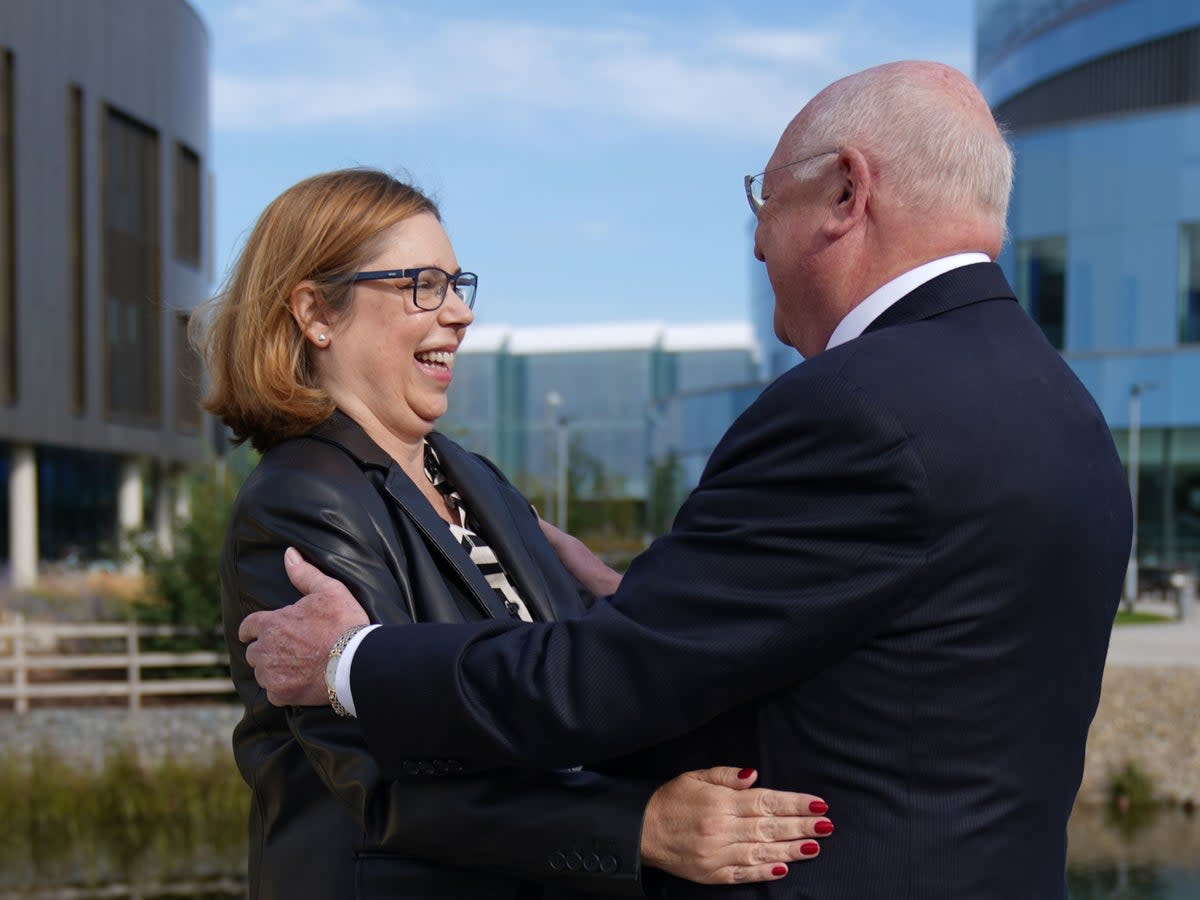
x=857 y=320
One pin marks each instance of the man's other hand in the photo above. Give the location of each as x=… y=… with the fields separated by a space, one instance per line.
x=288 y=647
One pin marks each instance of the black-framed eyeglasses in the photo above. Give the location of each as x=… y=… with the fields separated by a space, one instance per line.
x=754 y=183
x=429 y=284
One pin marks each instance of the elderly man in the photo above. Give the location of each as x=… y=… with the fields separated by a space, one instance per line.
x=893 y=585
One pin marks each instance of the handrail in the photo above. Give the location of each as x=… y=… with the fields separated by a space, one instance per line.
x=34 y=647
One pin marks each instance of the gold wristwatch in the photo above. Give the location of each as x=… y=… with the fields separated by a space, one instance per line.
x=331 y=665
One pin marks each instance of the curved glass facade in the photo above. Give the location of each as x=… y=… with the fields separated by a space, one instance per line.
x=1102 y=102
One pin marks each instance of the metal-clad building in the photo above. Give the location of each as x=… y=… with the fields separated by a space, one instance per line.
x=104 y=248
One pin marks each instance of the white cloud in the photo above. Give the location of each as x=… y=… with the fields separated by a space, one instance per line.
x=259 y=21
x=813 y=48
x=714 y=81
x=264 y=102
x=720 y=97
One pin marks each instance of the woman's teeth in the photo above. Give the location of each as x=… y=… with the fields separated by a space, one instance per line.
x=436 y=357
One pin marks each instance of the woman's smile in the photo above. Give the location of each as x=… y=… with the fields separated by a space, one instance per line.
x=437 y=364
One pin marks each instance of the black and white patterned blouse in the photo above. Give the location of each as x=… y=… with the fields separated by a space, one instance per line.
x=477 y=548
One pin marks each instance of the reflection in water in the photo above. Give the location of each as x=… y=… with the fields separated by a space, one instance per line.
x=85 y=868
x=1154 y=857
x=1148 y=855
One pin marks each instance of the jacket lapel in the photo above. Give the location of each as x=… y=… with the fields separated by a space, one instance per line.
x=963 y=286
x=485 y=499
x=343 y=431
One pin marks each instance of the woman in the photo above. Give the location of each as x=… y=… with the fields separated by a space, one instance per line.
x=331 y=351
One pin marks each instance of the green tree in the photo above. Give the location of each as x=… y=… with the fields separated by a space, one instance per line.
x=666 y=494
x=183 y=583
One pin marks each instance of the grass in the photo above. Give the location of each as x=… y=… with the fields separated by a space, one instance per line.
x=55 y=814
x=1126 y=617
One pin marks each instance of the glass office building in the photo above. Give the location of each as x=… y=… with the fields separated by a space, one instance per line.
x=1102 y=102
x=104 y=251
x=612 y=394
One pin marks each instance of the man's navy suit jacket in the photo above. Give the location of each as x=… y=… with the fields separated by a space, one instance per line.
x=893 y=587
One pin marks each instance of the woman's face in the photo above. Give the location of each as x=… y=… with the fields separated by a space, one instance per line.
x=387 y=362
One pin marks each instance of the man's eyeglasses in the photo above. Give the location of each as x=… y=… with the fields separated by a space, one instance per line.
x=429 y=284
x=754 y=183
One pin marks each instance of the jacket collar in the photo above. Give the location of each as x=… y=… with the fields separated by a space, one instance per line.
x=342 y=431
x=347 y=434
x=959 y=287
x=478 y=487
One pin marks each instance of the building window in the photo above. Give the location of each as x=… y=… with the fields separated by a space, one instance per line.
x=188 y=376
x=131 y=270
x=1155 y=75
x=1189 y=284
x=77 y=504
x=76 y=257
x=8 y=244
x=187 y=205
x=1042 y=284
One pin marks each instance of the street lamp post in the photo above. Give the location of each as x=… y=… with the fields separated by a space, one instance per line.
x=561 y=456
x=1135 y=422
x=554 y=402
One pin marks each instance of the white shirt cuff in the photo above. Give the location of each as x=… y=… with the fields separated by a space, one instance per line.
x=341 y=677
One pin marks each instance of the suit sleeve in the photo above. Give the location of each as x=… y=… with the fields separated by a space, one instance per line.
x=576 y=829
x=805 y=537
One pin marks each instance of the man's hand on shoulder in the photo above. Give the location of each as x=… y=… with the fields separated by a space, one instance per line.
x=289 y=647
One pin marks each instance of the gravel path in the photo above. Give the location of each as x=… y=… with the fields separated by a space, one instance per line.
x=87 y=736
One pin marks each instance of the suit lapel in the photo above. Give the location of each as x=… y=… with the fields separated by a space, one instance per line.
x=487 y=504
x=959 y=287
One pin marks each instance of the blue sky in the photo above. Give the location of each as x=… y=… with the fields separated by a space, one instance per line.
x=588 y=157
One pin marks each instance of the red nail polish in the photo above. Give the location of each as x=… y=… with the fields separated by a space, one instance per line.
x=818 y=807
x=810 y=848
x=745 y=773
x=823 y=828
x=779 y=871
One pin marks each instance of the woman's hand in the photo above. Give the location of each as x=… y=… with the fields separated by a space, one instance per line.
x=706 y=826
x=581 y=562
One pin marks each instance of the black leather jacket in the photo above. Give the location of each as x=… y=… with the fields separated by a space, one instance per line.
x=325 y=822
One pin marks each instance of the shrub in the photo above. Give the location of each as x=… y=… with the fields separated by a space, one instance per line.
x=184 y=583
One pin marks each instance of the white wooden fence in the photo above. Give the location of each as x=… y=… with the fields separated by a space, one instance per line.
x=35 y=647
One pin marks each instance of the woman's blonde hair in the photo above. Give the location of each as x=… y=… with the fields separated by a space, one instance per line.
x=321 y=230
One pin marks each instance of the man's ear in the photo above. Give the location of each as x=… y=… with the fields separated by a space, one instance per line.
x=853 y=189
x=311 y=314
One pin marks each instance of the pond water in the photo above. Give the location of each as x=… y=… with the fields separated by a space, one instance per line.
x=1149 y=856
x=1155 y=856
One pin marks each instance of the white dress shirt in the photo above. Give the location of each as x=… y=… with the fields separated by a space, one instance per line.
x=859 y=318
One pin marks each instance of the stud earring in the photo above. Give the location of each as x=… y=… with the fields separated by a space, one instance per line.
x=321 y=338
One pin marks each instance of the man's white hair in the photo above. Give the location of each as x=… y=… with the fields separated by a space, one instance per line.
x=930 y=139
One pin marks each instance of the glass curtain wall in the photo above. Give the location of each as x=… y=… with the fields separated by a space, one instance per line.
x=8 y=282
x=77 y=504
x=189 y=378
x=76 y=250
x=1042 y=284
x=1168 y=494
x=187 y=206
x=131 y=270
x=1189 y=283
